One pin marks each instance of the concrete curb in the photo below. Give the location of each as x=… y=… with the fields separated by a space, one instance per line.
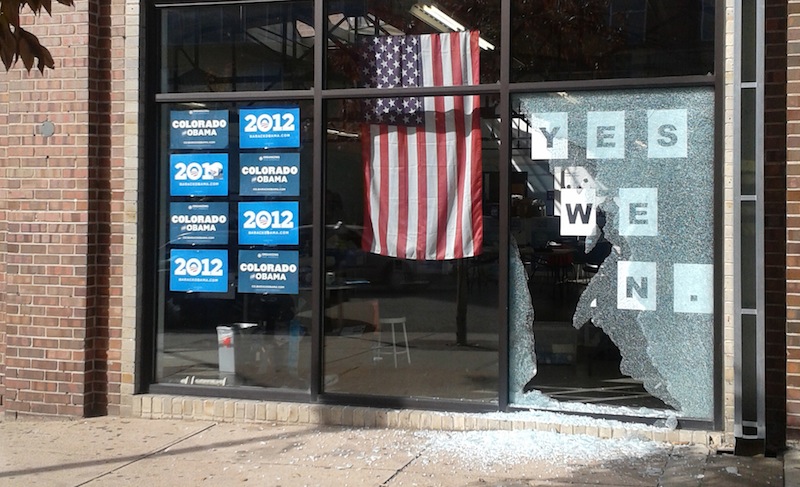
x=155 y=406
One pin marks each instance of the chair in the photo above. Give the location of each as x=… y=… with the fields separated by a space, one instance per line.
x=381 y=348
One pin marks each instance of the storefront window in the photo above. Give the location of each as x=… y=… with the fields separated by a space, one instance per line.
x=591 y=39
x=610 y=199
x=353 y=25
x=234 y=274
x=411 y=251
x=244 y=47
x=612 y=220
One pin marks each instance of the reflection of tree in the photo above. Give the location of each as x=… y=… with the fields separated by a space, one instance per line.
x=554 y=39
x=578 y=39
x=376 y=18
x=484 y=16
x=562 y=36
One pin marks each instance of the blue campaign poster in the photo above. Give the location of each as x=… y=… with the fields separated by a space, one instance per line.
x=269 y=175
x=262 y=128
x=198 y=129
x=268 y=223
x=198 y=174
x=198 y=223
x=268 y=271
x=198 y=271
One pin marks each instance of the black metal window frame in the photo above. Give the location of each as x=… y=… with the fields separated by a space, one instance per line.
x=504 y=89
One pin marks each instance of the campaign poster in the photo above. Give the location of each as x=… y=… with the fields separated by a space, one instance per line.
x=262 y=128
x=198 y=223
x=198 y=271
x=198 y=129
x=198 y=174
x=268 y=271
x=269 y=175
x=268 y=223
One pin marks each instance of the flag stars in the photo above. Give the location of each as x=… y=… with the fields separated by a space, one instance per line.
x=392 y=61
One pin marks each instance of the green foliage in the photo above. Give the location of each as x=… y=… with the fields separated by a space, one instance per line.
x=17 y=43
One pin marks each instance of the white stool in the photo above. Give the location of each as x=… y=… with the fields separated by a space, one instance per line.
x=380 y=346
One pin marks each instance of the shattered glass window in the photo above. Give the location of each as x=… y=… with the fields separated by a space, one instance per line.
x=612 y=290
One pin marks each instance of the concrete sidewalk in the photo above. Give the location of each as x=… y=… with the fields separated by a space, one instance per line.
x=125 y=451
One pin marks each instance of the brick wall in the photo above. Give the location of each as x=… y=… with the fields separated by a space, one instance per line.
x=3 y=229
x=793 y=220
x=62 y=324
x=98 y=345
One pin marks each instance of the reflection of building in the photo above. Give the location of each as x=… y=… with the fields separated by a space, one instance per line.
x=89 y=323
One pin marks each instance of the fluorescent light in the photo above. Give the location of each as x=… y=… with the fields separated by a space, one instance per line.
x=431 y=15
x=304 y=29
x=342 y=133
x=443 y=18
x=485 y=45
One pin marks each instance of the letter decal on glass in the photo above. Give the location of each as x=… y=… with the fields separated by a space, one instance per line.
x=578 y=215
x=549 y=135
x=638 y=212
x=667 y=134
x=693 y=288
x=605 y=135
x=636 y=285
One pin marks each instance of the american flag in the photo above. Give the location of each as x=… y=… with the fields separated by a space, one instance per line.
x=422 y=156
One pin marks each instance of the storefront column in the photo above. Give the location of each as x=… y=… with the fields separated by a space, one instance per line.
x=61 y=218
x=775 y=222
x=3 y=239
x=793 y=222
